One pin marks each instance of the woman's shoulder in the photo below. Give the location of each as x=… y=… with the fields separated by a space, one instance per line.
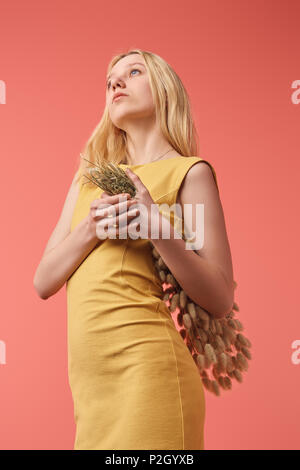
x=189 y=169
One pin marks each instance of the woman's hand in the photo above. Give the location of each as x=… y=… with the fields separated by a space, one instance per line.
x=149 y=215
x=107 y=211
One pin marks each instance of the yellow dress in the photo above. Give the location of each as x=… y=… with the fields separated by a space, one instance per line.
x=133 y=380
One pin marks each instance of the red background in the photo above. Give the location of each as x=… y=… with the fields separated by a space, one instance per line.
x=237 y=60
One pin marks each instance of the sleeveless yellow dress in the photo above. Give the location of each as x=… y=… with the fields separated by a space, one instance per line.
x=133 y=380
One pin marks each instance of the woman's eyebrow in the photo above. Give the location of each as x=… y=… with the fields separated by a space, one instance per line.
x=128 y=65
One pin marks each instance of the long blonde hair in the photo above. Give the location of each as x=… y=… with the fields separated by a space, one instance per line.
x=108 y=143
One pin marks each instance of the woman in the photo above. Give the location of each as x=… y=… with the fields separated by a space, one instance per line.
x=134 y=382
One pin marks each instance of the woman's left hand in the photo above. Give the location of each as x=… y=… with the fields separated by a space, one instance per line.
x=148 y=215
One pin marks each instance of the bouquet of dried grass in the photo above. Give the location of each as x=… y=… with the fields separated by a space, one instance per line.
x=219 y=349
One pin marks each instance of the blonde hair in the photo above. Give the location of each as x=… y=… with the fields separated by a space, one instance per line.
x=108 y=143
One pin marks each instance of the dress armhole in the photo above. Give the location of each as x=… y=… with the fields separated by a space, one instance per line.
x=184 y=172
x=79 y=179
x=175 y=218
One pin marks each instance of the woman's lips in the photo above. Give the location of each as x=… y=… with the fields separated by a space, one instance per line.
x=118 y=97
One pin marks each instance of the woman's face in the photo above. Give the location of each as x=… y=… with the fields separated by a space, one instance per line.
x=129 y=76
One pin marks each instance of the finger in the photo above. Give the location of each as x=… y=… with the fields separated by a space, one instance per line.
x=100 y=209
x=117 y=197
x=124 y=206
x=112 y=210
x=109 y=200
x=124 y=219
x=121 y=220
x=106 y=211
x=95 y=203
x=123 y=231
x=99 y=202
x=106 y=224
x=135 y=179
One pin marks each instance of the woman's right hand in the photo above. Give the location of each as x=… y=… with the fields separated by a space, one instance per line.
x=106 y=211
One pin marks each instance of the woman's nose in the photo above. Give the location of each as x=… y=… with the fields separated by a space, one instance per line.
x=117 y=82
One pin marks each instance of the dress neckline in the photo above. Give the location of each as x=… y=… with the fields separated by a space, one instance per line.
x=156 y=161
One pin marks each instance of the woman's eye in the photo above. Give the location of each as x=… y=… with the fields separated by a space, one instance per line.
x=135 y=69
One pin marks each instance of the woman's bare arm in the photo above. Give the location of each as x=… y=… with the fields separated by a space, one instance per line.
x=65 y=250
x=207 y=275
